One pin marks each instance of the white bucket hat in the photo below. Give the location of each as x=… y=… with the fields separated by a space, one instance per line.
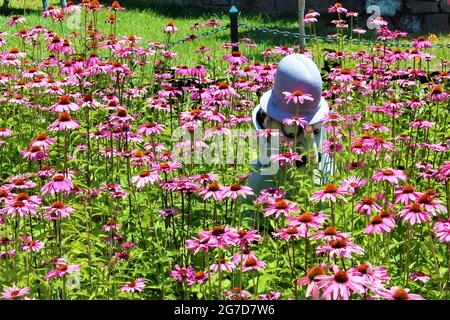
x=294 y=72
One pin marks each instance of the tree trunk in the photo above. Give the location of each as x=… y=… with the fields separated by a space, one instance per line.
x=301 y=15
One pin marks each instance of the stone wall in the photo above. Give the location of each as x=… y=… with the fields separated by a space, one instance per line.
x=420 y=16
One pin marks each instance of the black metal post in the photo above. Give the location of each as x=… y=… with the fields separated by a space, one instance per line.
x=234 y=27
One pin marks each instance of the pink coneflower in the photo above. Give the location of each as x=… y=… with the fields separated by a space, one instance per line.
x=14 y=292
x=272 y=295
x=15 y=20
x=197 y=277
x=64 y=104
x=61 y=270
x=430 y=204
x=290 y=232
x=137 y=285
x=167 y=167
x=34 y=154
x=415 y=213
x=150 y=128
x=406 y=194
x=372 y=277
x=378 y=22
x=280 y=207
x=378 y=225
x=340 y=285
x=115 y=6
x=197 y=245
x=308 y=19
x=252 y=264
x=239 y=119
x=32 y=245
x=442 y=230
x=387 y=217
x=4 y=195
x=205 y=178
x=128 y=245
x=367 y=205
x=375 y=127
x=396 y=293
x=67 y=49
x=37 y=200
x=111 y=225
x=168 y=212
x=297 y=97
x=121 y=117
x=359 y=31
x=330 y=191
x=219 y=236
x=64 y=122
x=59 y=183
x=337 y=7
x=420 y=276
x=390 y=175
x=438 y=94
x=213 y=190
x=330 y=233
x=269 y=195
x=212 y=23
x=20 y=182
x=223 y=265
x=340 y=247
x=312 y=281
x=353 y=183
x=236 y=190
x=58 y=210
x=247 y=237
x=121 y=256
x=214 y=116
x=422 y=42
x=145 y=177
x=165 y=156
x=238 y=294
x=444 y=170
x=21 y=207
x=342 y=75
x=55 y=44
x=307 y=221
x=331 y=146
x=295 y=120
x=182 y=70
x=42 y=140
x=198 y=71
x=141 y=159
x=286 y=157
x=5 y=132
x=421 y=123
x=268 y=132
x=192 y=115
x=170 y=28
x=223 y=90
x=235 y=58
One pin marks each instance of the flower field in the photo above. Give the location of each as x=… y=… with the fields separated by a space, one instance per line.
x=112 y=185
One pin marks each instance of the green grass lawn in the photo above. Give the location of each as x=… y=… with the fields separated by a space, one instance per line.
x=146 y=20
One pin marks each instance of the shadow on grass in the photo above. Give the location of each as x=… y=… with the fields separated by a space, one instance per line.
x=13 y=11
x=283 y=23
x=181 y=12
